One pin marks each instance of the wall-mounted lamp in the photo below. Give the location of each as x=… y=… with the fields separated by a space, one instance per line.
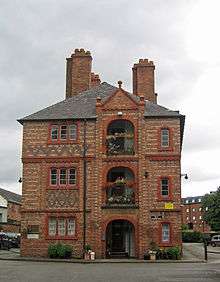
x=20 y=180
x=146 y=174
x=185 y=175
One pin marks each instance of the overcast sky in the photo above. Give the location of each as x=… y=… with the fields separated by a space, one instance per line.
x=181 y=37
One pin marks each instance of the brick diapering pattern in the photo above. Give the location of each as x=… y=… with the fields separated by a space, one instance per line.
x=39 y=203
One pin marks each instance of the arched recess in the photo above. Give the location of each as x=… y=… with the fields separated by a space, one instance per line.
x=120 y=238
x=120 y=137
x=120 y=187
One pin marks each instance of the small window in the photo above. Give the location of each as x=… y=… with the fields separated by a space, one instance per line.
x=53 y=176
x=200 y=200
x=193 y=209
x=70 y=226
x=54 y=132
x=206 y=208
x=164 y=187
x=194 y=218
x=165 y=136
x=52 y=226
x=187 y=218
x=63 y=132
x=187 y=210
x=165 y=232
x=187 y=201
x=200 y=217
x=63 y=176
x=193 y=200
x=72 y=176
x=61 y=227
x=200 y=209
x=72 y=132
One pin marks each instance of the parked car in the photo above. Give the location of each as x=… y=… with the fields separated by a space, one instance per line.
x=215 y=241
x=5 y=242
x=14 y=239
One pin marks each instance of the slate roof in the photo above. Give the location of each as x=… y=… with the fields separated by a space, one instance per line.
x=10 y=196
x=83 y=106
x=190 y=200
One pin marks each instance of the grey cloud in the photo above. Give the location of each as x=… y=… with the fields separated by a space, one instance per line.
x=37 y=36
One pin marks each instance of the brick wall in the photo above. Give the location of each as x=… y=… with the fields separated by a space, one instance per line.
x=192 y=217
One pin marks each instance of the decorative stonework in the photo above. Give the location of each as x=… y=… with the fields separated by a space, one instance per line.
x=52 y=150
x=62 y=199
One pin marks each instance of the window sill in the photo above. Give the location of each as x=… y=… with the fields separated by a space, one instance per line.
x=63 y=187
x=170 y=199
x=59 y=142
x=61 y=237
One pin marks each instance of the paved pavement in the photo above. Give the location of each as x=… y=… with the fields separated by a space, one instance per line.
x=195 y=251
x=28 y=271
x=20 y=271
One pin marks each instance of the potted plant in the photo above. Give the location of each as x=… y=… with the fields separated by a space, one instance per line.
x=120 y=181
x=153 y=250
x=88 y=250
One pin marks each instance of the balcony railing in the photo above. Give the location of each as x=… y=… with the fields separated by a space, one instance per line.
x=120 y=144
x=120 y=193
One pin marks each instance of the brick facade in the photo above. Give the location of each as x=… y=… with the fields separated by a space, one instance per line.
x=192 y=215
x=147 y=164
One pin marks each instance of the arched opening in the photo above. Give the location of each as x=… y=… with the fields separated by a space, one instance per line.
x=120 y=187
x=120 y=239
x=120 y=138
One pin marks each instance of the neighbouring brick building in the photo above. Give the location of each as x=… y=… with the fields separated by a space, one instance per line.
x=10 y=211
x=192 y=214
x=114 y=152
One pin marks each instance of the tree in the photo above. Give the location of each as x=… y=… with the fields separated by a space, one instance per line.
x=211 y=209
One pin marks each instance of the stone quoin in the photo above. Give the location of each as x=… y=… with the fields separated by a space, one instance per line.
x=102 y=167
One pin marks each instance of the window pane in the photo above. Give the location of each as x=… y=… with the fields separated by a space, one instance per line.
x=71 y=226
x=52 y=226
x=63 y=132
x=54 y=132
x=72 y=131
x=72 y=176
x=61 y=227
x=53 y=176
x=63 y=176
x=165 y=187
x=165 y=138
x=165 y=232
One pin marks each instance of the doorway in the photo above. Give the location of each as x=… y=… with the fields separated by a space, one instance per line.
x=120 y=239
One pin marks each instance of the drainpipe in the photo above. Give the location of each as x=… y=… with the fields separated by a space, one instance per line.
x=84 y=186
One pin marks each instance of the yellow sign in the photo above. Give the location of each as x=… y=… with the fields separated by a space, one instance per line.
x=169 y=206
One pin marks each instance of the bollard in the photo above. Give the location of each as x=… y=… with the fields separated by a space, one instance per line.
x=205 y=250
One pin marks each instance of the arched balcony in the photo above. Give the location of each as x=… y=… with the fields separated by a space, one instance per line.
x=120 y=187
x=120 y=138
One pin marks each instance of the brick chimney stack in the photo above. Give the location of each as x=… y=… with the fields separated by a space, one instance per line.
x=78 y=72
x=143 y=80
x=95 y=80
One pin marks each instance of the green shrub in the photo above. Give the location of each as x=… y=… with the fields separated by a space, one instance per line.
x=173 y=253
x=168 y=253
x=60 y=251
x=192 y=237
x=87 y=248
x=52 y=251
x=69 y=251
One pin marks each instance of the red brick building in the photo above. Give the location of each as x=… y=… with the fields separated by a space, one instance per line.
x=10 y=211
x=192 y=214
x=102 y=167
